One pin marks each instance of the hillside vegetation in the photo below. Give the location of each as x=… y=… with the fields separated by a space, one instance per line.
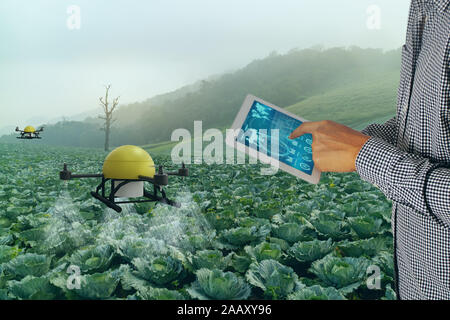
x=354 y=105
x=353 y=86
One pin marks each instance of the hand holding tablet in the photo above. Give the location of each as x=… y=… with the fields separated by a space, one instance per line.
x=257 y=120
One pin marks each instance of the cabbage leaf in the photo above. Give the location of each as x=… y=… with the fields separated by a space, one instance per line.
x=218 y=285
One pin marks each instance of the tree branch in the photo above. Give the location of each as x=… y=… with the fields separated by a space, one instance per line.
x=103 y=105
x=115 y=103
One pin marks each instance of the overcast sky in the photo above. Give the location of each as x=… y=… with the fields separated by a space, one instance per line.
x=149 y=47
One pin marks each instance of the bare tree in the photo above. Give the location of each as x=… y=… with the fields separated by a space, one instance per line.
x=108 y=110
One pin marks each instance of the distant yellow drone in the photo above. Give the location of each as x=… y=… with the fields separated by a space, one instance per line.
x=127 y=168
x=29 y=133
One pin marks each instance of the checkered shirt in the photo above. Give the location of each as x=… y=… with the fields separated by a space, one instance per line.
x=402 y=151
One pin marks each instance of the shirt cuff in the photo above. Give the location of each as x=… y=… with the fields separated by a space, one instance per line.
x=375 y=163
x=438 y=193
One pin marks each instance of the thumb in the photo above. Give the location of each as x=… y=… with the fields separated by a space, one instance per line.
x=306 y=127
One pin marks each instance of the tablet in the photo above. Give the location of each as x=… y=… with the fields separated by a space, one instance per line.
x=254 y=131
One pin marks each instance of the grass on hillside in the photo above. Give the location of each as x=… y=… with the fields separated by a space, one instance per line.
x=345 y=105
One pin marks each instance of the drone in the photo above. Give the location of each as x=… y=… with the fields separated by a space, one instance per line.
x=125 y=170
x=29 y=133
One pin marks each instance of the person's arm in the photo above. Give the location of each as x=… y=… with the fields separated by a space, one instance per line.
x=401 y=177
x=386 y=131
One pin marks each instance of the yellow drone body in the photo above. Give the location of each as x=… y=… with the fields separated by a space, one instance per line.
x=29 y=129
x=128 y=163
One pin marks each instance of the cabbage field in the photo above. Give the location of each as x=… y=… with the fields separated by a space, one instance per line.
x=237 y=235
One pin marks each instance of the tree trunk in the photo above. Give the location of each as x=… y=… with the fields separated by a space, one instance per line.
x=107 y=127
x=108 y=118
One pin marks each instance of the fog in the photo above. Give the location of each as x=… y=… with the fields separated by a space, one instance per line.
x=49 y=68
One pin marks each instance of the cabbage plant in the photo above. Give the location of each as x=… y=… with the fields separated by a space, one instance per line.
x=365 y=226
x=390 y=293
x=29 y=264
x=32 y=288
x=239 y=236
x=132 y=247
x=264 y=251
x=267 y=210
x=8 y=253
x=365 y=247
x=97 y=285
x=274 y=278
x=4 y=294
x=5 y=237
x=160 y=270
x=210 y=259
x=294 y=232
x=385 y=260
x=151 y=293
x=308 y=251
x=240 y=263
x=93 y=259
x=144 y=289
x=330 y=225
x=315 y=292
x=218 y=285
x=342 y=273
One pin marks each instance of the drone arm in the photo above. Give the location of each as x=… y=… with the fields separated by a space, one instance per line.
x=81 y=176
x=65 y=174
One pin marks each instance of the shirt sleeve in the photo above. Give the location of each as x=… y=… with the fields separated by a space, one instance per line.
x=401 y=177
x=386 y=132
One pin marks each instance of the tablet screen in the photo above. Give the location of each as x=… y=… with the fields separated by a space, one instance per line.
x=295 y=153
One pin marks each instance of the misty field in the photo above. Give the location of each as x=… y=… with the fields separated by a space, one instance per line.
x=237 y=235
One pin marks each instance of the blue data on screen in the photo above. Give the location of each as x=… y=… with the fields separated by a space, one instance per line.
x=257 y=127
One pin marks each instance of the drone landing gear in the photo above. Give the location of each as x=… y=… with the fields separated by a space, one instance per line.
x=109 y=201
x=109 y=204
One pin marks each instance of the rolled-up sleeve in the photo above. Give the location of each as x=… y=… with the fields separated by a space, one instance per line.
x=401 y=177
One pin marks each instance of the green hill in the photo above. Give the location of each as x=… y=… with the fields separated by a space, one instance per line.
x=354 y=86
x=284 y=80
x=355 y=105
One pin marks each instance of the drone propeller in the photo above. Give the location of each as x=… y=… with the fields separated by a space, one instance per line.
x=182 y=172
